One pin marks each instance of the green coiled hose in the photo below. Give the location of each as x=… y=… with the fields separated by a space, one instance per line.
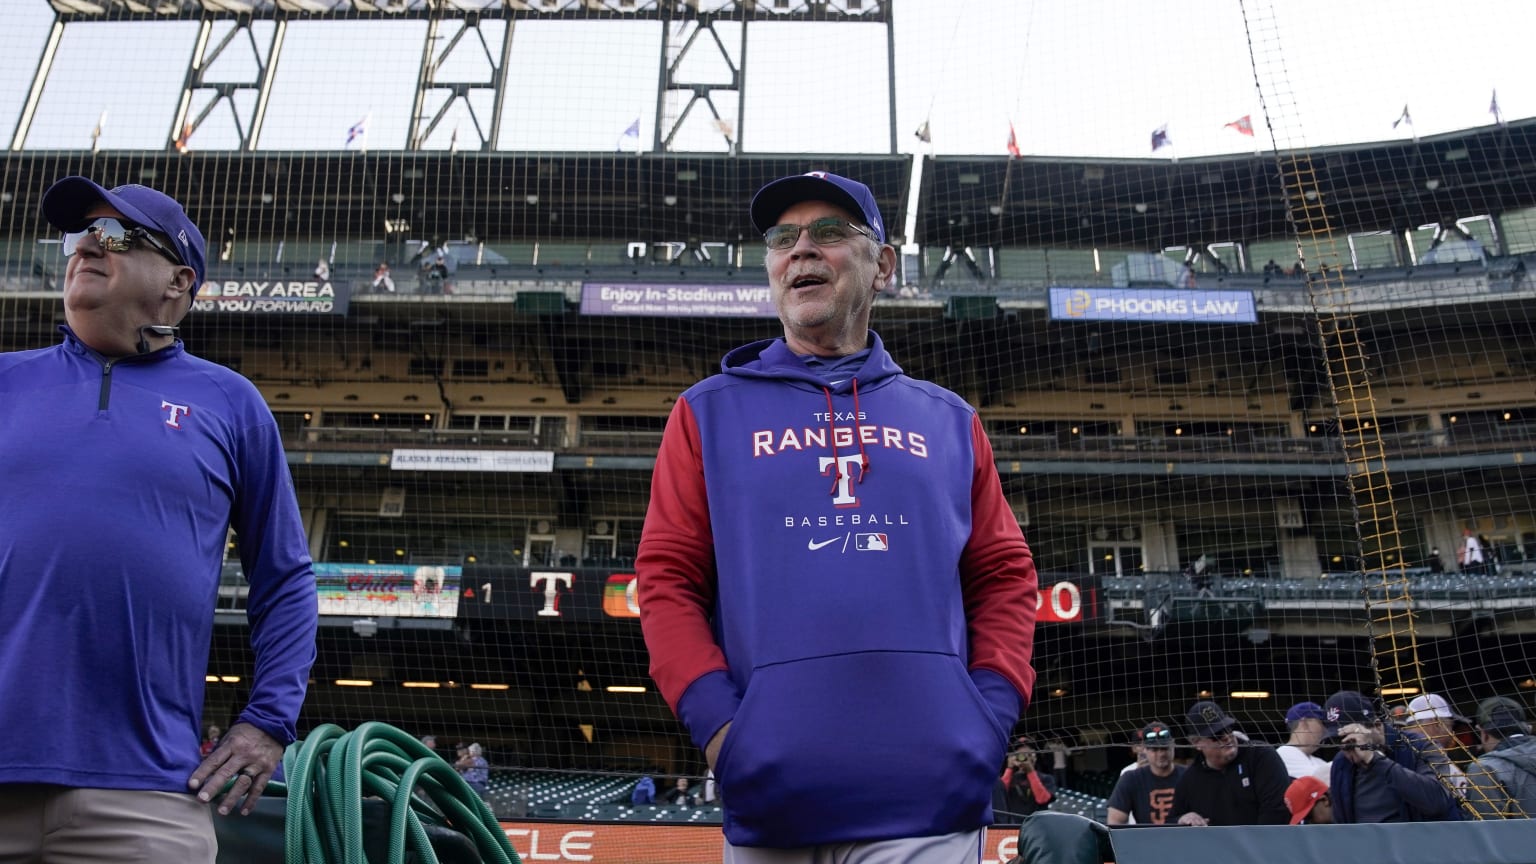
x=330 y=772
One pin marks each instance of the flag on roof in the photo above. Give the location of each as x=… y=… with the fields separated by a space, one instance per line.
x=1493 y=108
x=101 y=122
x=922 y=133
x=633 y=131
x=1160 y=138
x=1013 y=142
x=1402 y=118
x=358 y=130
x=182 y=145
x=1243 y=125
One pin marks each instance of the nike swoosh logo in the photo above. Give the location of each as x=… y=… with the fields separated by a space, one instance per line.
x=813 y=545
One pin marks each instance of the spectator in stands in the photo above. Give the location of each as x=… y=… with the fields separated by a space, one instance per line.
x=1307 y=798
x=1473 y=558
x=1138 y=754
x=1272 y=269
x=474 y=768
x=210 y=740
x=1436 y=564
x=1305 y=722
x=1060 y=756
x=383 y=282
x=1490 y=556
x=429 y=742
x=770 y=632
x=1228 y=784
x=644 y=791
x=1432 y=716
x=323 y=271
x=1199 y=575
x=1145 y=795
x=1502 y=782
x=107 y=580
x=1382 y=773
x=681 y=795
x=1022 y=789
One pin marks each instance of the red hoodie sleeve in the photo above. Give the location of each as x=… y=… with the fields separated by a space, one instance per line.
x=997 y=577
x=675 y=564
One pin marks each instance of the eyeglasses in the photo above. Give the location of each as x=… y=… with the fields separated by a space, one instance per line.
x=827 y=231
x=1160 y=736
x=116 y=235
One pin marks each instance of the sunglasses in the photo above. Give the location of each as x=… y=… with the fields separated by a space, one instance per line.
x=117 y=235
x=1162 y=736
x=828 y=231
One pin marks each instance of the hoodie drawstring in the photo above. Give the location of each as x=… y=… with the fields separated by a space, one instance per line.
x=837 y=464
x=863 y=456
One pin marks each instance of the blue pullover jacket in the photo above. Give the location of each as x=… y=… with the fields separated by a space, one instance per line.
x=120 y=481
x=835 y=571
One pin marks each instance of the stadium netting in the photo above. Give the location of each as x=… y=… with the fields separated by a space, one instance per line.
x=1255 y=365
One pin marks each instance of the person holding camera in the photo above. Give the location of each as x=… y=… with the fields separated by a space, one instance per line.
x=1021 y=790
x=1383 y=773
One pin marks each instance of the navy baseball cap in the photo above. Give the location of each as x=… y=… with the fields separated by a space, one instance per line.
x=772 y=200
x=67 y=201
x=1303 y=710
x=1349 y=706
x=1207 y=720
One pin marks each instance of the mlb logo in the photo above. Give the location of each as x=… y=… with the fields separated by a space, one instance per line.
x=871 y=543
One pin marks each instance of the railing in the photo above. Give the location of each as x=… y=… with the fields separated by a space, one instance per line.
x=1129 y=448
x=1496 y=276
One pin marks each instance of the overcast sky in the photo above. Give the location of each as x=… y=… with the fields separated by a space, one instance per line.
x=1075 y=77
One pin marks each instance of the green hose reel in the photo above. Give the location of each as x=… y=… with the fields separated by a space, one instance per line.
x=331 y=772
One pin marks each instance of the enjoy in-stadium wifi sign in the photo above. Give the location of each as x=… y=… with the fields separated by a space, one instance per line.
x=736 y=301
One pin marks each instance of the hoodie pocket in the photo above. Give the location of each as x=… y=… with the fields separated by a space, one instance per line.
x=859 y=746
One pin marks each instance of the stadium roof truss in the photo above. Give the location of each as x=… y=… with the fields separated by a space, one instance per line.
x=452 y=26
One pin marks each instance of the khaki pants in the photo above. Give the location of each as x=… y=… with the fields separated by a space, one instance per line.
x=961 y=848
x=42 y=824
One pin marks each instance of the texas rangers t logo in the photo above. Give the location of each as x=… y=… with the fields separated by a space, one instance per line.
x=844 y=496
x=174 y=413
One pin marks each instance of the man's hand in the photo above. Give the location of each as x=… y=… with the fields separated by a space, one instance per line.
x=1193 y=818
x=1359 y=743
x=712 y=749
x=246 y=754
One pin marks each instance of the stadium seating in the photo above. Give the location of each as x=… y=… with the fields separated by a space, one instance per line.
x=586 y=797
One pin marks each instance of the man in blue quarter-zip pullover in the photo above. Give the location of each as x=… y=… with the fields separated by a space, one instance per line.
x=835 y=594
x=126 y=462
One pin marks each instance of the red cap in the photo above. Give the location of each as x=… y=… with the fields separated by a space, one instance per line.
x=1302 y=796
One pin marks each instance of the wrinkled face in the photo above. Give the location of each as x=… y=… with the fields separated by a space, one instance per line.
x=1219 y=751
x=824 y=291
x=125 y=287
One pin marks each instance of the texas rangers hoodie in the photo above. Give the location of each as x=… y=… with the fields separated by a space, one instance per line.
x=834 y=570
